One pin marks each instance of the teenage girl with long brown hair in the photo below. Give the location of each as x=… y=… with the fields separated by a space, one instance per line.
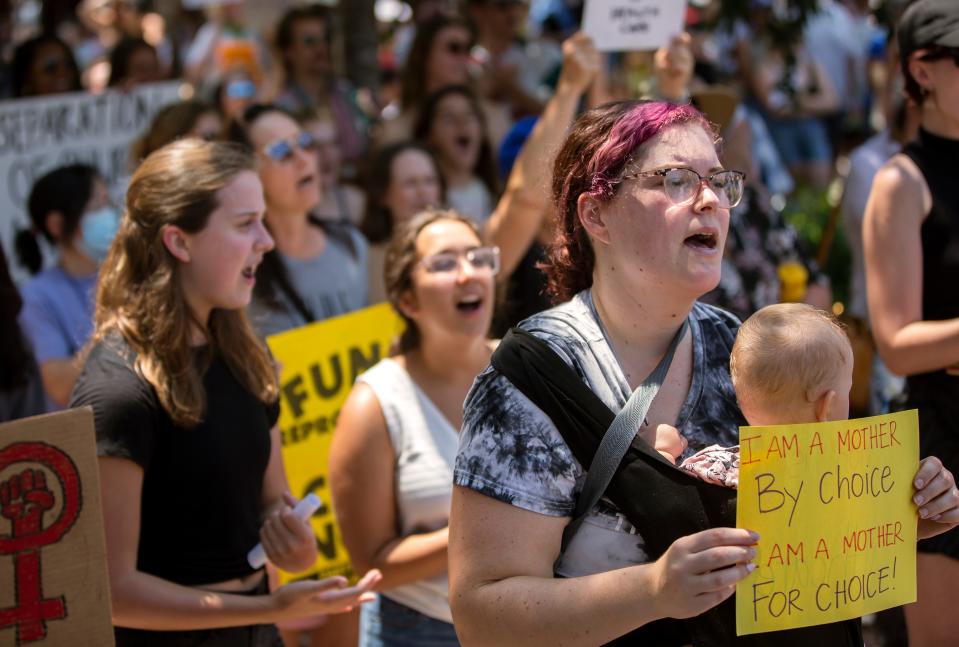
x=185 y=403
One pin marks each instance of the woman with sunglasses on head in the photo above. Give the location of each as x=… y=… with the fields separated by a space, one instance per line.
x=185 y=405
x=318 y=268
x=643 y=206
x=391 y=462
x=910 y=234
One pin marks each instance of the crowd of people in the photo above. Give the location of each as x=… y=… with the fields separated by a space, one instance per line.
x=614 y=218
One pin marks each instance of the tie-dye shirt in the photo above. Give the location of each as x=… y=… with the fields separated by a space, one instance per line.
x=511 y=451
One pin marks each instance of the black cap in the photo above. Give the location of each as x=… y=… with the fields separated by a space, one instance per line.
x=928 y=23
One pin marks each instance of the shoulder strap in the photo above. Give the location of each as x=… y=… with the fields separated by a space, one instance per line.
x=618 y=437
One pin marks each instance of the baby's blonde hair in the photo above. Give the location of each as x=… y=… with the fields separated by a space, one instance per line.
x=787 y=352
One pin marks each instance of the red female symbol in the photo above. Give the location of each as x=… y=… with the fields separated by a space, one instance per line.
x=24 y=497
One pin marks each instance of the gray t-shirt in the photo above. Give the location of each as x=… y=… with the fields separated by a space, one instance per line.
x=511 y=451
x=331 y=284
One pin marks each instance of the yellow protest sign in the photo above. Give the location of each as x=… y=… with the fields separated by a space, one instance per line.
x=319 y=365
x=832 y=503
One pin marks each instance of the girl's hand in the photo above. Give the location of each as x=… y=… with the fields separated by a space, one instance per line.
x=288 y=540
x=937 y=498
x=315 y=597
x=699 y=571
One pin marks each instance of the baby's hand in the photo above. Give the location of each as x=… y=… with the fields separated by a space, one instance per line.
x=669 y=442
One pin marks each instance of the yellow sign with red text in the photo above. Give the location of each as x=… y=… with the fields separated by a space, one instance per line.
x=832 y=503
x=319 y=364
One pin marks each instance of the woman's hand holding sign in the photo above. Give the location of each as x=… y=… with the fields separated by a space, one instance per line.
x=937 y=498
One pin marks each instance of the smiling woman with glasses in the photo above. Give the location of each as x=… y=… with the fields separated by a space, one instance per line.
x=910 y=234
x=391 y=463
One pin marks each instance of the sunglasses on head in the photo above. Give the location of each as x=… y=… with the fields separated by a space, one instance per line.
x=283 y=150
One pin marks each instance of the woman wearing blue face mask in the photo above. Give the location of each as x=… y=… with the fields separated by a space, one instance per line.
x=70 y=207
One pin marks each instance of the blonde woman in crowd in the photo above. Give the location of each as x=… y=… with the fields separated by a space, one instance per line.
x=185 y=404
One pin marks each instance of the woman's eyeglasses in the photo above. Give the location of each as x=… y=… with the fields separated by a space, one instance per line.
x=283 y=150
x=683 y=184
x=481 y=259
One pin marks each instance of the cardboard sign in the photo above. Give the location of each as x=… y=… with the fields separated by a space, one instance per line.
x=38 y=135
x=53 y=571
x=319 y=363
x=633 y=25
x=832 y=503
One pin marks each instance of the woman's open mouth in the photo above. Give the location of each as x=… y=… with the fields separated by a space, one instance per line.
x=704 y=241
x=469 y=305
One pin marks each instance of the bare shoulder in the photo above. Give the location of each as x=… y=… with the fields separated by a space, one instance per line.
x=362 y=415
x=899 y=183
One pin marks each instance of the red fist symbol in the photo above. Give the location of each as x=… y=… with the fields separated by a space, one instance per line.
x=24 y=498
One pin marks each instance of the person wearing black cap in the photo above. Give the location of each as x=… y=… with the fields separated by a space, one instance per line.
x=911 y=238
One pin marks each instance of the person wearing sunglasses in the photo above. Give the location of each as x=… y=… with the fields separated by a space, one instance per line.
x=439 y=57
x=318 y=267
x=303 y=38
x=910 y=232
x=391 y=461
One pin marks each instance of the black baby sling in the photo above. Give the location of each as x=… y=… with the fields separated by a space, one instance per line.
x=663 y=503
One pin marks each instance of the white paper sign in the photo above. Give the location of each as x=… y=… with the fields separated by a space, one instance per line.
x=633 y=25
x=38 y=135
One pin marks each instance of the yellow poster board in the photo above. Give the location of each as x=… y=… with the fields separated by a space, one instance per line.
x=319 y=364
x=832 y=503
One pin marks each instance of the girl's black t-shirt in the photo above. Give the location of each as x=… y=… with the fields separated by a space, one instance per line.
x=202 y=487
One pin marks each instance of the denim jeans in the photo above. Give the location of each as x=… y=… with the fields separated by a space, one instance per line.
x=385 y=623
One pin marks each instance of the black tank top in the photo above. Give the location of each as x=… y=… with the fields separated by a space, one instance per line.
x=936 y=158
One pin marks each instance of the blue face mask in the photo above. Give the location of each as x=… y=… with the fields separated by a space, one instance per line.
x=97 y=229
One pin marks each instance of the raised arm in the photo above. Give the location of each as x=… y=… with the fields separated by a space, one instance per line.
x=519 y=213
x=502 y=589
x=362 y=476
x=896 y=209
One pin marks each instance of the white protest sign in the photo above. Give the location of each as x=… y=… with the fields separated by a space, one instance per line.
x=633 y=25
x=40 y=134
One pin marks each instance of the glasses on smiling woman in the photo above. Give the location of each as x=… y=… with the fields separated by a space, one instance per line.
x=683 y=185
x=481 y=259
